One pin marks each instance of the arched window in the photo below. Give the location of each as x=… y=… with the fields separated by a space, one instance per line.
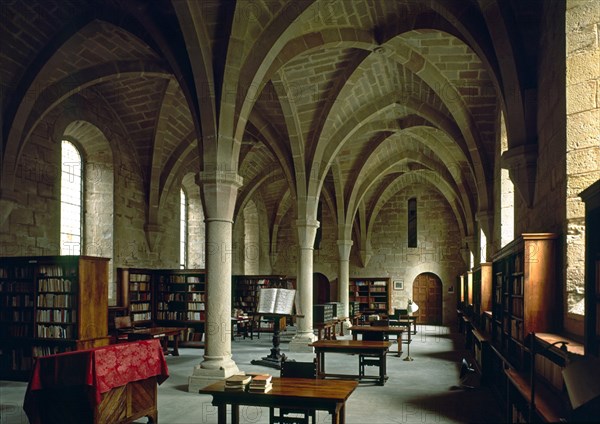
x=507 y=194
x=412 y=222
x=183 y=229
x=71 y=199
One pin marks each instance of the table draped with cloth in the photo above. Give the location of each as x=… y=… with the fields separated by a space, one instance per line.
x=91 y=382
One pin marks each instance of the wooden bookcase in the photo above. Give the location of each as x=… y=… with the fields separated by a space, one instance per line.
x=524 y=293
x=138 y=288
x=245 y=291
x=181 y=297
x=591 y=197
x=372 y=294
x=166 y=297
x=50 y=304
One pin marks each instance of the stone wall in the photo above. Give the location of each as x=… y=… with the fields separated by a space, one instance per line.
x=438 y=248
x=582 y=141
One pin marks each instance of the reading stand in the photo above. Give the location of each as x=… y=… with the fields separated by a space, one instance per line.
x=274 y=359
x=275 y=303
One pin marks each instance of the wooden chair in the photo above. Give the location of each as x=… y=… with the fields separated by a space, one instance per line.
x=367 y=360
x=123 y=324
x=291 y=369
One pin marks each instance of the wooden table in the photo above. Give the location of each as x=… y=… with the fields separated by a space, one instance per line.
x=293 y=393
x=161 y=333
x=395 y=330
x=354 y=347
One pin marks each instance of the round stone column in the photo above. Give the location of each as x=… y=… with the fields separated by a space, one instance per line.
x=307 y=230
x=344 y=247
x=219 y=191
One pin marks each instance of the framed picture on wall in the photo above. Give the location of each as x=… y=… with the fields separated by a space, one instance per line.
x=398 y=285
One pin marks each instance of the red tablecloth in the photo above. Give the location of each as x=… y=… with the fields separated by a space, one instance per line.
x=99 y=370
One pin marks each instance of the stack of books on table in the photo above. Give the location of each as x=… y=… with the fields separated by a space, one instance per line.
x=260 y=383
x=237 y=382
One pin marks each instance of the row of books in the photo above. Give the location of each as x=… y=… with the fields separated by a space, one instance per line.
x=55 y=285
x=16 y=286
x=54 y=300
x=22 y=300
x=137 y=307
x=190 y=306
x=256 y=383
x=183 y=297
x=184 y=279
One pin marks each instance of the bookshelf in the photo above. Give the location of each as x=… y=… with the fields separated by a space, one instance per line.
x=50 y=304
x=138 y=290
x=181 y=297
x=524 y=293
x=372 y=294
x=166 y=297
x=591 y=197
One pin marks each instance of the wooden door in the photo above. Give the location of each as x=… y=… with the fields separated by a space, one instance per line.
x=320 y=289
x=427 y=294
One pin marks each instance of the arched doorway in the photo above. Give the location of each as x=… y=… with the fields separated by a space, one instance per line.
x=427 y=294
x=320 y=289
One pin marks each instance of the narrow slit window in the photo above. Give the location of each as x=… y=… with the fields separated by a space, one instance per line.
x=71 y=195
x=412 y=222
x=183 y=238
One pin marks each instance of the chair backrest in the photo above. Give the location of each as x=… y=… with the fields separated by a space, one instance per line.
x=299 y=369
x=375 y=336
x=380 y=323
x=400 y=313
x=123 y=322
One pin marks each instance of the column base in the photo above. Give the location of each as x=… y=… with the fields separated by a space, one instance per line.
x=300 y=342
x=346 y=324
x=202 y=377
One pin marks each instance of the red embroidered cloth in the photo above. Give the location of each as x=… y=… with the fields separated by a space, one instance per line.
x=99 y=370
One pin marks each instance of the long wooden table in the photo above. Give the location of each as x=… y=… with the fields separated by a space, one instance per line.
x=161 y=333
x=293 y=393
x=355 y=347
x=394 y=330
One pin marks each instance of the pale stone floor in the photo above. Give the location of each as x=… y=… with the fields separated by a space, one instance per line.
x=422 y=391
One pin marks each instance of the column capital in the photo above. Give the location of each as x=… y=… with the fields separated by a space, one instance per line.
x=307 y=230
x=521 y=162
x=220 y=177
x=344 y=248
x=219 y=193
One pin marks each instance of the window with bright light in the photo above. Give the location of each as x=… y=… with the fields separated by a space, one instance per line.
x=71 y=194
x=183 y=230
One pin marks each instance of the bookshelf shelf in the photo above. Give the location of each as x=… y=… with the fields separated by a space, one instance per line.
x=50 y=304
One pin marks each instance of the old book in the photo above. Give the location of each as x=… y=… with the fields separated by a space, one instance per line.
x=276 y=301
x=260 y=389
x=237 y=381
x=261 y=380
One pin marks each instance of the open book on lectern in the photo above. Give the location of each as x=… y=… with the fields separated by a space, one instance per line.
x=276 y=301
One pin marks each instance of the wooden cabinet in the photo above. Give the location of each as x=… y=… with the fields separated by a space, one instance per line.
x=50 y=304
x=591 y=197
x=524 y=293
x=372 y=294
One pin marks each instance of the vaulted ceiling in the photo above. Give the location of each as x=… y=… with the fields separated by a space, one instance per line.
x=350 y=100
